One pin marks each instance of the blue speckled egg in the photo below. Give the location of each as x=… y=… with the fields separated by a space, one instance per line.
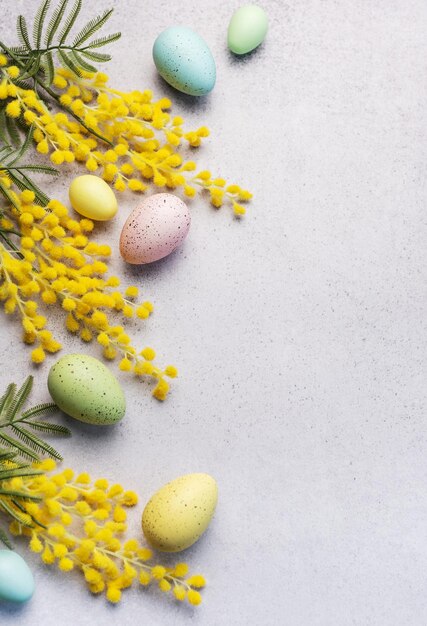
x=85 y=389
x=16 y=579
x=184 y=60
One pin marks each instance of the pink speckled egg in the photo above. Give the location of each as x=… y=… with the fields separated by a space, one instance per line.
x=154 y=229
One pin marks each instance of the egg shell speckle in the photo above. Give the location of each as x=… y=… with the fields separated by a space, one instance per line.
x=183 y=59
x=154 y=229
x=84 y=388
x=180 y=512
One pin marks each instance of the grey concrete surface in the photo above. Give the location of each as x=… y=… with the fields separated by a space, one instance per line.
x=300 y=332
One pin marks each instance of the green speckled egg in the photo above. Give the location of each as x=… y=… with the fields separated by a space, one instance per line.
x=180 y=512
x=84 y=388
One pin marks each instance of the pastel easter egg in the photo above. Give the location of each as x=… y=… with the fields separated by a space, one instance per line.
x=184 y=60
x=179 y=513
x=84 y=388
x=16 y=579
x=157 y=226
x=247 y=29
x=92 y=197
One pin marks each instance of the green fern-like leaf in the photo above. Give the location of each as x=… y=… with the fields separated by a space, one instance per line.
x=15 y=444
x=47 y=427
x=48 y=67
x=16 y=472
x=19 y=495
x=69 y=62
x=35 y=443
x=69 y=22
x=12 y=131
x=102 y=41
x=19 y=399
x=7 y=399
x=92 y=27
x=14 y=512
x=22 y=29
x=16 y=427
x=99 y=57
x=5 y=539
x=37 y=63
x=39 y=22
x=39 y=410
x=81 y=62
x=22 y=150
x=55 y=21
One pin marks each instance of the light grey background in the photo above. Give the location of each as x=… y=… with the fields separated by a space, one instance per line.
x=299 y=332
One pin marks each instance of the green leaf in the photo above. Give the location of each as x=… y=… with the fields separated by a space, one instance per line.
x=27 y=183
x=13 y=131
x=80 y=62
x=100 y=57
x=21 y=495
x=5 y=153
x=53 y=429
x=19 y=399
x=24 y=442
x=39 y=22
x=19 y=50
x=24 y=147
x=102 y=41
x=5 y=539
x=48 y=67
x=21 y=27
x=14 y=512
x=35 y=522
x=33 y=67
x=39 y=410
x=54 y=22
x=7 y=399
x=69 y=62
x=39 y=169
x=69 y=22
x=23 y=450
x=6 y=455
x=92 y=27
x=19 y=472
x=3 y=132
x=5 y=193
x=34 y=442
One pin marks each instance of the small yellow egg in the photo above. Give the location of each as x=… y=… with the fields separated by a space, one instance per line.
x=180 y=512
x=92 y=197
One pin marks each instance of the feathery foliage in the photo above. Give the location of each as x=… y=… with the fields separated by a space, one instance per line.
x=17 y=427
x=12 y=497
x=52 y=37
x=20 y=443
x=18 y=174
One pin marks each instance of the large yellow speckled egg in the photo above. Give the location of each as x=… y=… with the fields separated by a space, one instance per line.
x=93 y=198
x=180 y=512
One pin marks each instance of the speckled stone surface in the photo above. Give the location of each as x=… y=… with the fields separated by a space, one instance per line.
x=157 y=226
x=184 y=60
x=86 y=389
x=299 y=332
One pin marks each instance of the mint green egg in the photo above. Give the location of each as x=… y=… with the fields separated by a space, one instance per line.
x=184 y=60
x=84 y=388
x=16 y=579
x=247 y=29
